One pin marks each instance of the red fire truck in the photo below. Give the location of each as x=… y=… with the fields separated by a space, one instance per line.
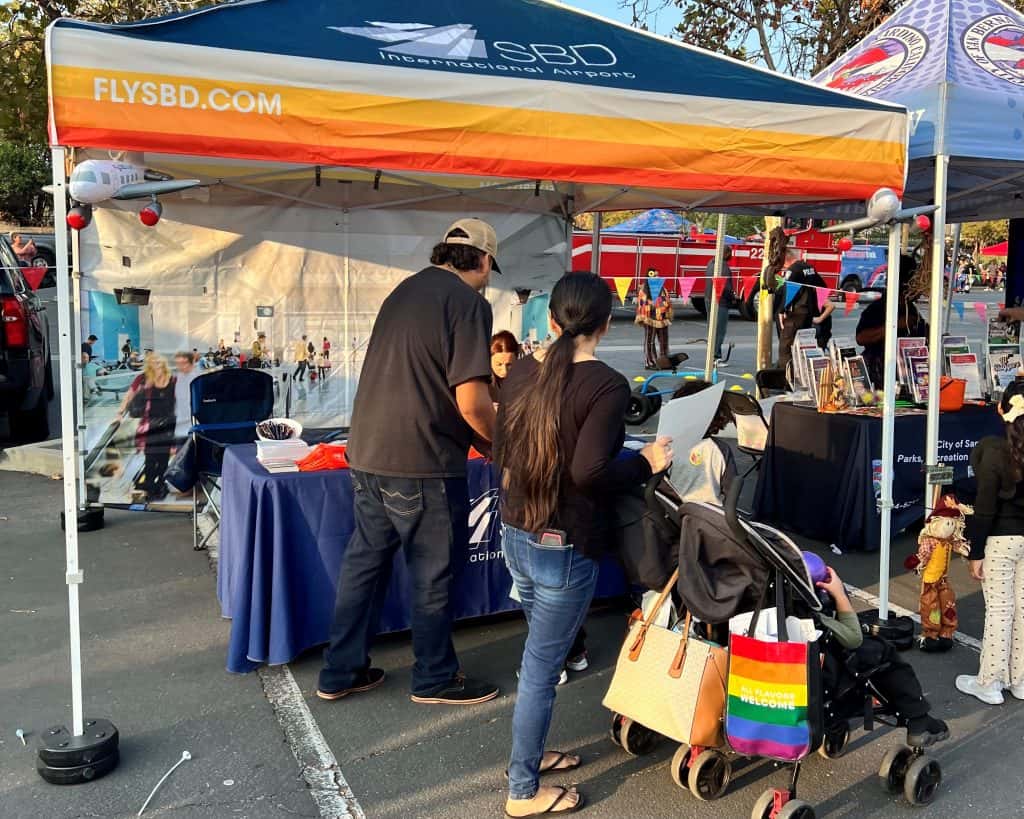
x=631 y=255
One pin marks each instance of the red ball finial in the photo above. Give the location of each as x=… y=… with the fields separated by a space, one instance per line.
x=844 y=244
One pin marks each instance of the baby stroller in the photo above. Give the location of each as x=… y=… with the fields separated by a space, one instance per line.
x=727 y=565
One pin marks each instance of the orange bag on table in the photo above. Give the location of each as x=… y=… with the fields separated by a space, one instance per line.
x=324 y=457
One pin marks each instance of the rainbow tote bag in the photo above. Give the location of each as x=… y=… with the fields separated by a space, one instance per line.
x=773 y=707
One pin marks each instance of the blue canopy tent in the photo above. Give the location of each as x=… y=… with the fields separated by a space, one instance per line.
x=958 y=67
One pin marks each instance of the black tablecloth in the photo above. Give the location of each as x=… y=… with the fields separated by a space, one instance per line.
x=821 y=472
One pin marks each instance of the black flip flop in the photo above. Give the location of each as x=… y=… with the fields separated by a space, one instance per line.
x=554 y=768
x=549 y=810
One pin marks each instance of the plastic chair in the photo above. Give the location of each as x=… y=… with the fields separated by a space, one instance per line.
x=226 y=406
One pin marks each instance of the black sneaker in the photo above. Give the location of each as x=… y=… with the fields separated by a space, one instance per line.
x=925 y=731
x=459 y=691
x=934 y=645
x=372 y=678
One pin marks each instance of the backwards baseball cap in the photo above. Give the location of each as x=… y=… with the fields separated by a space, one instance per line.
x=479 y=234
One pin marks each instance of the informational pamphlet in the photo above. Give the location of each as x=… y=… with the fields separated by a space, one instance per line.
x=965 y=366
x=1003 y=332
x=908 y=347
x=1002 y=369
x=857 y=378
x=919 y=375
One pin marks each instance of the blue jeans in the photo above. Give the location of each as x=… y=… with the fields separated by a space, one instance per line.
x=429 y=520
x=556 y=587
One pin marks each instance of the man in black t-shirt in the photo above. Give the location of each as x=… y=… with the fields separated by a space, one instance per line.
x=871 y=330
x=422 y=401
x=801 y=312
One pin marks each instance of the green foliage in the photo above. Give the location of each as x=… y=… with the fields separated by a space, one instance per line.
x=23 y=172
x=977 y=235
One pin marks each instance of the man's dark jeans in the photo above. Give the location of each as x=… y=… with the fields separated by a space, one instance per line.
x=429 y=520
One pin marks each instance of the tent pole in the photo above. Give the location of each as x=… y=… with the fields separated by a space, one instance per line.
x=349 y=343
x=952 y=275
x=595 y=245
x=76 y=296
x=935 y=321
x=712 y=305
x=73 y=575
x=892 y=296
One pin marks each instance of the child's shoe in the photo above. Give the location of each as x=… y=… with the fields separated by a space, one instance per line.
x=578 y=663
x=925 y=731
x=989 y=694
x=1018 y=690
x=934 y=645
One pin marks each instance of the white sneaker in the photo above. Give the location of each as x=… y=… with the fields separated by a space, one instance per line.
x=580 y=663
x=991 y=694
x=1018 y=690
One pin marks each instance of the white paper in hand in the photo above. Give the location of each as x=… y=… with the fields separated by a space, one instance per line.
x=685 y=420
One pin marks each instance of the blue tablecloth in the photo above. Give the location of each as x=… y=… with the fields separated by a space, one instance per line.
x=821 y=472
x=281 y=542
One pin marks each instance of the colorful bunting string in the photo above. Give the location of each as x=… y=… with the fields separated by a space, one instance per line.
x=959 y=307
x=792 y=288
x=656 y=285
x=686 y=287
x=982 y=310
x=622 y=284
x=823 y=296
x=720 y=287
x=851 y=302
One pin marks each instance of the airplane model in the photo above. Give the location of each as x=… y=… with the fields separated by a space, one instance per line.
x=883 y=208
x=97 y=180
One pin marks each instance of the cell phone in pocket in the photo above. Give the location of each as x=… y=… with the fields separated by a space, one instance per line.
x=554 y=539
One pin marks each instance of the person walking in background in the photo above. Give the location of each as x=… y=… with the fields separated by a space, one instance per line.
x=326 y=348
x=185 y=372
x=153 y=403
x=422 y=402
x=560 y=433
x=656 y=317
x=725 y=303
x=802 y=312
x=996 y=535
x=301 y=359
x=324 y=365
x=504 y=352
x=87 y=346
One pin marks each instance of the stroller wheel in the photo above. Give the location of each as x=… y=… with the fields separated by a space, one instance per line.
x=763 y=806
x=616 y=729
x=922 y=781
x=834 y=744
x=680 y=766
x=893 y=770
x=637 y=739
x=639 y=408
x=796 y=809
x=710 y=775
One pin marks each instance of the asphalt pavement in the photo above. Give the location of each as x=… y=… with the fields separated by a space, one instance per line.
x=154 y=649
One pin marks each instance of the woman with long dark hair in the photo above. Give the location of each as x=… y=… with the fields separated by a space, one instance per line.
x=559 y=449
x=996 y=533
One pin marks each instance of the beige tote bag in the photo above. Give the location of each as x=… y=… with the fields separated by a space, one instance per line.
x=672 y=683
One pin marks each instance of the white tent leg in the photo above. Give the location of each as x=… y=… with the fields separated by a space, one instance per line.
x=73 y=576
x=595 y=245
x=76 y=300
x=952 y=279
x=349 y=344
x=935 y=321
x=892 y=288
x=712 y=306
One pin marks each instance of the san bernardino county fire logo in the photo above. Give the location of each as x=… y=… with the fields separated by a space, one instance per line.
x=996 y=44
x=895 y=53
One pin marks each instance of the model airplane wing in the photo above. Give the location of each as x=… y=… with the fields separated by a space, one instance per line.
x=855 y=224
x=144 y=190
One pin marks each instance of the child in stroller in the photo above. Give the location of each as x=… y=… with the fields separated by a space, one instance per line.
x=851 y=660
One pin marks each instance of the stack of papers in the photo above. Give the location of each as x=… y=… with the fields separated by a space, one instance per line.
x=281 y=456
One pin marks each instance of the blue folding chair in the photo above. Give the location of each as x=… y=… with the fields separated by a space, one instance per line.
x=226 y=406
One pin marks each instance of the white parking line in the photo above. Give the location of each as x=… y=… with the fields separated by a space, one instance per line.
x=316 y=761
x=871 y=600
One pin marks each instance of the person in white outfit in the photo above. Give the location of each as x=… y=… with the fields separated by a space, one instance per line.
x=996 y=533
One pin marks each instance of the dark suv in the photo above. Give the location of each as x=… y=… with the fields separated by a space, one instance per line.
x=26 y=376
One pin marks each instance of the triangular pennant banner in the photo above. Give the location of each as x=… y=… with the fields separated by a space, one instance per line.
x=981 y=309
x=748 y=285
x=791 y=290
x=622 y=287
x=959 y=307
x=719 y=285
x=686 y=288
x=656 y=284
x=851 y=302
x=823 y=296
x=34 y=276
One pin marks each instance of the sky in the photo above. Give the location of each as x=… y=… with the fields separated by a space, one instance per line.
x=611 y=9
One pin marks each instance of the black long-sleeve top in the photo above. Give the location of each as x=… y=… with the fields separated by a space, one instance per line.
x=999 y=505
x=594 y=468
